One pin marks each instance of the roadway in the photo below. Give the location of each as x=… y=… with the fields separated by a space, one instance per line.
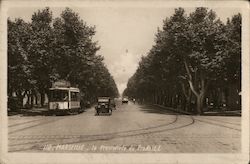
x=131 y=128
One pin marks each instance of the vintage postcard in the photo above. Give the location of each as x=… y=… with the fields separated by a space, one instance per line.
x=124 y=82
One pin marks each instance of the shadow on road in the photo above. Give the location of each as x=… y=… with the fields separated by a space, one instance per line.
x=33 y=112
x=155 y=109
x=103 y=114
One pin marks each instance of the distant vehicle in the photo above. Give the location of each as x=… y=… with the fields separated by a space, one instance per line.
x=125 y=100
x=134 y=100
x=64 y=100
x=105 y=105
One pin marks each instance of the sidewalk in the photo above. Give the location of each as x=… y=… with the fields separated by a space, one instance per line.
x=223 y=113
x=206 y=113
x=35 y=111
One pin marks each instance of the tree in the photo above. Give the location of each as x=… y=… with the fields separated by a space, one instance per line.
x=204 y=59
x=191 y=54
x=76 y=58
x=232 y=50
x=46 y=50
x=19 y=80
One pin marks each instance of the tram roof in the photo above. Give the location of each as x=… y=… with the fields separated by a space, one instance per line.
x=65 y=88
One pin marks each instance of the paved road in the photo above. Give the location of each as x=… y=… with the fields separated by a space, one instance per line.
x=131 y=128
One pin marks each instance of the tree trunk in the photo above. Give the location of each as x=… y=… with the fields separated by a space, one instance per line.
x=42 y=98
x=199 y=104
x=156 y=97
x=152 y=98
x=21 y=96
x=186 y=104
x=29 y=99
x=169 y=100
x=199 y=92
x=160 y=97
x=36 y=98
x=32 y=100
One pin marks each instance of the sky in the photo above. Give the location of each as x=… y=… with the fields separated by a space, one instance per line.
x=123 y=33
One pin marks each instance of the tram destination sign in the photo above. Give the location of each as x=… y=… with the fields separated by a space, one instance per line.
x=61 y=83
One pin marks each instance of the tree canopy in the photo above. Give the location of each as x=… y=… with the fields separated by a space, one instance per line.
x=191 y=54
x=48 y=49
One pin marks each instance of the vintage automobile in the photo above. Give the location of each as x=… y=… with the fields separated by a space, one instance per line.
x=104 y=105
x=125 y=100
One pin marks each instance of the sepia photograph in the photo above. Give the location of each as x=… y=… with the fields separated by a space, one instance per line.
x=108 y=81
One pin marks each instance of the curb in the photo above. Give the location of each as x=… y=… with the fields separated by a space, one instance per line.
x=204 y=114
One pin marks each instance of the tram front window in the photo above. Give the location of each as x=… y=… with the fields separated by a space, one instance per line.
x=59 y=95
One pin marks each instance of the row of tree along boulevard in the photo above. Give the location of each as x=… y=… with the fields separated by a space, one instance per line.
x=48 y=49
x=194 y=65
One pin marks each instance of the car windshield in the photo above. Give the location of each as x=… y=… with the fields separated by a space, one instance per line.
x=105 y=100
x=59 y=95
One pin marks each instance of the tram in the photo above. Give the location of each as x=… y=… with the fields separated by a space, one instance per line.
x=64 y=100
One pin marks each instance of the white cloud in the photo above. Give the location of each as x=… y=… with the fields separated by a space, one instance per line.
x=124 y=68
